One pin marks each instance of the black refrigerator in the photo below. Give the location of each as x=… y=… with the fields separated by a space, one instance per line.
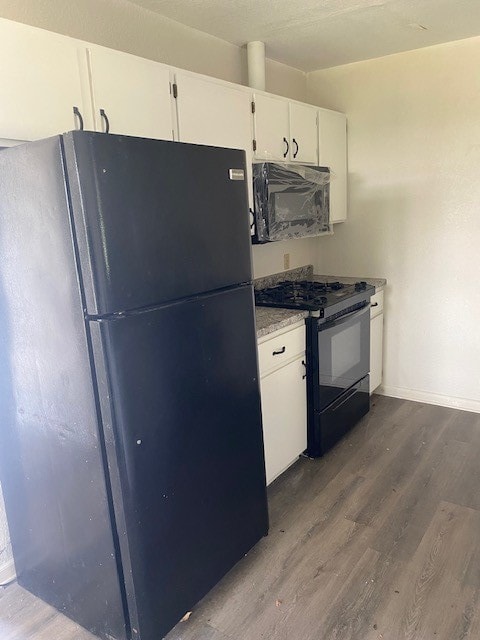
x=131 y=436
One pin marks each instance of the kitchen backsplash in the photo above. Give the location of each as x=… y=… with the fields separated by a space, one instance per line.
x=300 y=273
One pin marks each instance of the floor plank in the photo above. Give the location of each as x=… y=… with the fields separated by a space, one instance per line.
x=379 y=540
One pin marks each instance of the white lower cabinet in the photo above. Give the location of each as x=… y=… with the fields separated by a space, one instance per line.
x=376 y=341
x=284 y=399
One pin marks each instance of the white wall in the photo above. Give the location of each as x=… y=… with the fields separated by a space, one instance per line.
x=414 y=194
x=269 y=258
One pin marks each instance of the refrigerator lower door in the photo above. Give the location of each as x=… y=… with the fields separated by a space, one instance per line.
x=182 y=395
x=154 y=220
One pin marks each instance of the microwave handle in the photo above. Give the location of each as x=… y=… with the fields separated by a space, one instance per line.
x=345 y=318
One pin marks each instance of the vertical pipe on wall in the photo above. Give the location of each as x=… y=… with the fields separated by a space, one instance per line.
x=256 y=65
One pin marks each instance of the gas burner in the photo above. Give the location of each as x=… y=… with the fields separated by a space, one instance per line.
x=329 y=286
x=301 y=294
x=307 y=294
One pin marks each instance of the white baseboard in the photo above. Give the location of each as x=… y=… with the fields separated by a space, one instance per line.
x=7 y=572
x=430 y=398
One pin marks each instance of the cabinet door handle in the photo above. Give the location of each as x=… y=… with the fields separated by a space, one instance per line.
x=296 y=150
x=277 y=353
x=305 y=365
x=375 y=304
x=76 y=112
x=287 y=148
x=104 y=117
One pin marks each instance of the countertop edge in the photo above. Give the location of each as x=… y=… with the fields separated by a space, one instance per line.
x=270 y=319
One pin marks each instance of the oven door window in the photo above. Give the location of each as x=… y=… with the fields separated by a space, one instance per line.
x=344 y=354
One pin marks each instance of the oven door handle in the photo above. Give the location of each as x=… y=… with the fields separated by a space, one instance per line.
x=345 y=318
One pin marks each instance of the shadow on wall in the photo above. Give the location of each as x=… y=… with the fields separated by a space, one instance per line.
x=374 y=242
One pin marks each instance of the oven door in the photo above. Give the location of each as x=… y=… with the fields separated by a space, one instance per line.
x=343 y=354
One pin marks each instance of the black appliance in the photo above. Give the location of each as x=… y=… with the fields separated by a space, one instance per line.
x=132 y=451
x=291 y=201
x=338 y=353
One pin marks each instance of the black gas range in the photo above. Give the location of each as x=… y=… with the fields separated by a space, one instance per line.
x=337 y=353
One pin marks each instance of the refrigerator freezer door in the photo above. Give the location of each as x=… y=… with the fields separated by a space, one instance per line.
x=155 y=220
x=185 y=407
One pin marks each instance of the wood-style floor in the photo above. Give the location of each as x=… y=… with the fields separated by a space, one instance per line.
x=379 y=540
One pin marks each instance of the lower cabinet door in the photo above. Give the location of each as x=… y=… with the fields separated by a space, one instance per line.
x=376 y=351
x=284 y=414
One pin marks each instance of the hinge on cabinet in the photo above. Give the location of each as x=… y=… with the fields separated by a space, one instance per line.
x=253 y=107
x=175 y=90
x=254 y=145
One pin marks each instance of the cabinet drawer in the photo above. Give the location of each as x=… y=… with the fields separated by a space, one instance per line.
x=281 y=349
x=376 y=302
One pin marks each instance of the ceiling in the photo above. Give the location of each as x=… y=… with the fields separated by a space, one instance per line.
x=317 y=34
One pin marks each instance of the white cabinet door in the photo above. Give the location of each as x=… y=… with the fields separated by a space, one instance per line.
x=271 y=120
x=284 y=415
x=332 y=151
x=376 y=351
x=40 y=83
x=219 y=115
x=303 y=134
x=131 y=95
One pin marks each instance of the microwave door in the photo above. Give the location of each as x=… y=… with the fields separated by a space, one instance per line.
x=290 y=202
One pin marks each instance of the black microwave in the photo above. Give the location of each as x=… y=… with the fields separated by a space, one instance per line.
x=291 y=201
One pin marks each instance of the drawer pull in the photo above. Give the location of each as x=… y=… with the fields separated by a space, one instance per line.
x=305 y=365
x=277 y=353
x=375 y=304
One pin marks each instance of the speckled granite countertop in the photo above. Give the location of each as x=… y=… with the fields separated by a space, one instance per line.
x=269 y=319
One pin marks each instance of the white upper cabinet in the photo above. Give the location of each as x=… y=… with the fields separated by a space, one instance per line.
x=285 y=131
x=211 y=112
x=40 y=83
x=131 y=95
x=332 y=150
x=51 y=84
x=271 y=120
x=303 y=134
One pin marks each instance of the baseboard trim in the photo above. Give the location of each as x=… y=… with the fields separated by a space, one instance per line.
x=430 y=398
x=7 y=572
